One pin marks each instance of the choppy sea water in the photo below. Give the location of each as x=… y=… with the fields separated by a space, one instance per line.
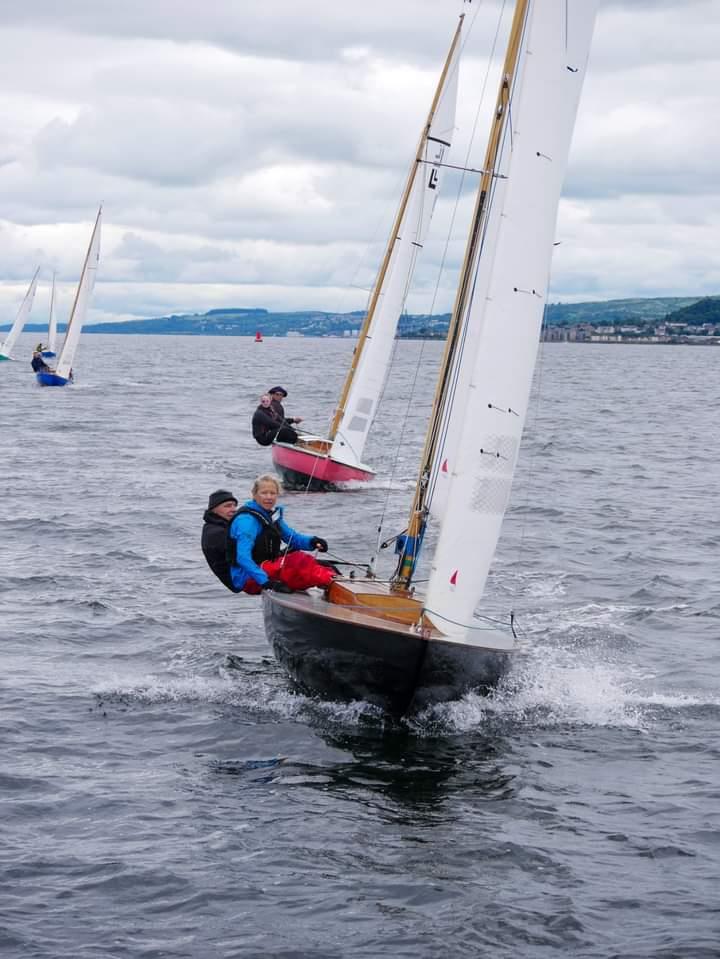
x=163 y=791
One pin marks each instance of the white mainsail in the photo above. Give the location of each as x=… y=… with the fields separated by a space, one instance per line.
x=21 y=318
x=82 y=301
x=52 y=321
x=474 y=463
x=409 y=235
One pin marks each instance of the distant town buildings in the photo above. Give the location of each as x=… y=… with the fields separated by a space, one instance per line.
x=708 y=334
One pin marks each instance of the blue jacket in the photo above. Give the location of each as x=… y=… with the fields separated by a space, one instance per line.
x=245 y=529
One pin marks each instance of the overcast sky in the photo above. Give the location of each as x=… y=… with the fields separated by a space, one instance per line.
x=251 y=153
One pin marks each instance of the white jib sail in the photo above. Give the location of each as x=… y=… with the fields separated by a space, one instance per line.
x=474 y=466
x=367 y=385
x=21 y=319
x=52 y=320
x=82 y=301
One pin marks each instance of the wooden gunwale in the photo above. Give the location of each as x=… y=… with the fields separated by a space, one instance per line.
x=397 y=606
x=321 y=447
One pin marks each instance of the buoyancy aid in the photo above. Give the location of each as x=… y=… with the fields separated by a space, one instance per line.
x=268 y=543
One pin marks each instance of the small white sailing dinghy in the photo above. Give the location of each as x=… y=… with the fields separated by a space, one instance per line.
x=319 y=463
x=20 y=320
x=62 y=374
x=49 y=351
x=380 y=641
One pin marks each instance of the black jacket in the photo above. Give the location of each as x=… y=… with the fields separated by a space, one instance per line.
x=38 y=364
x=214 y=547
x=279 y=411
x=266 y=424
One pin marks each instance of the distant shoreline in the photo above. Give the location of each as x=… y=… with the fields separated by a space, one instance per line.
x=655 y=321
x=696 y=341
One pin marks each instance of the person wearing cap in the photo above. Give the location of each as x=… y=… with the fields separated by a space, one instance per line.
x=221 y=508
x=267 y=425
x=257 y=534
x=277 y=394
x=37 y=362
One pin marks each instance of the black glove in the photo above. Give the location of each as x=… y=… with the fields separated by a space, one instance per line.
x=277 y=586
x=317 y=542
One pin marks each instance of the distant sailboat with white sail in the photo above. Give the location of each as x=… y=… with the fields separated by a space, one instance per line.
x=49 y=351
x=62 y=374
x=20 y=320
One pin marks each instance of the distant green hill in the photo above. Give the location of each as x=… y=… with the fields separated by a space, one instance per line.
x=610 y=312
x=236 y=321
x=233 y=322
x=702 y=311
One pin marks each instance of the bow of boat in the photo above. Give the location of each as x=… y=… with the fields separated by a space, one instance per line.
x=307 y=464
x=361 y=641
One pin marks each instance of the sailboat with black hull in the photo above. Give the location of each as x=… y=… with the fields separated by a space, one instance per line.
x=62 y=374
x=382 y=642
x=321 y=463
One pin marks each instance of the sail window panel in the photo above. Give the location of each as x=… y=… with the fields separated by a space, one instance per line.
x=358 y=424
x=490 y=494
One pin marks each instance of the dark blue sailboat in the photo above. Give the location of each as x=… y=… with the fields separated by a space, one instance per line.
x=62 y=374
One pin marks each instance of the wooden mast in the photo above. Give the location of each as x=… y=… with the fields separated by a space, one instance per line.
x=364 y=330
x=416 y=522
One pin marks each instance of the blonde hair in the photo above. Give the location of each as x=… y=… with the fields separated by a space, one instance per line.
x=267 y=478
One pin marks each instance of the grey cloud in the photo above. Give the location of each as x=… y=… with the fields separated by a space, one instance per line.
x=295 y=29
x=160 y=143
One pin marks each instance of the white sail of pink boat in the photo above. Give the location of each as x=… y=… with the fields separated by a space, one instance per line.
x=316 y=462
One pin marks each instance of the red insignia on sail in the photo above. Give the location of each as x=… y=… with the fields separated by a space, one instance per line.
x=444 y=468
x=453 y=578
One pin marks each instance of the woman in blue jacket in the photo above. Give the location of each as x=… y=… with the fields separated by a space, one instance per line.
x=256 y=538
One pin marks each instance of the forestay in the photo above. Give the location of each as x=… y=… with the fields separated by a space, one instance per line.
x=472 y=471
x=21 y=318
x=82 y=301
x=409 y=234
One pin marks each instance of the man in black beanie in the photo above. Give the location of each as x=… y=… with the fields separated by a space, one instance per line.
x=221 y=508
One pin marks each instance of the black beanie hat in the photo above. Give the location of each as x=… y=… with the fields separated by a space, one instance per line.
x=220 y=496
